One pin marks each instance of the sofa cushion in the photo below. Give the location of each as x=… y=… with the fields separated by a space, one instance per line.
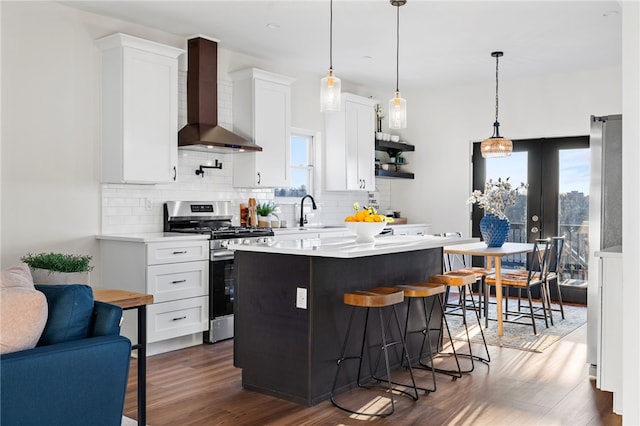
x=23 y=310
x=23 y=315
x=70 y=312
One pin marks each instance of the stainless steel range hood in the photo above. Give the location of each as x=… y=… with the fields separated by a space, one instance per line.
x=202 y=132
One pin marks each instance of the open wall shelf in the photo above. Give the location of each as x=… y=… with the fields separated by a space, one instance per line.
x=393 y=149
x=392 y=174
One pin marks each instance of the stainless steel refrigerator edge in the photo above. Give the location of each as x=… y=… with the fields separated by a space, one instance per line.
x=605 y=212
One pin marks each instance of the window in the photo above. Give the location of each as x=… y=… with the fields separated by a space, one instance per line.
x=301 y=165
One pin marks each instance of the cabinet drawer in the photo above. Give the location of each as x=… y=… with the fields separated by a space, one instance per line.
x=178 y=280
x=178 y=318
x=177 y=251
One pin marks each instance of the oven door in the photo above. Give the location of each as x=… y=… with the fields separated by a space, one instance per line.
x=222 y=280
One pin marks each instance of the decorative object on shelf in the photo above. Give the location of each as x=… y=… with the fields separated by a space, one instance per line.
x=200 y=170
x=397 y=105
x=330 y=85
x=58 y=268
x=494 y=230
x=496 y=145
x=494 y=226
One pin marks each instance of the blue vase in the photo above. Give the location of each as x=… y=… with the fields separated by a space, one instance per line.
x=494 y=230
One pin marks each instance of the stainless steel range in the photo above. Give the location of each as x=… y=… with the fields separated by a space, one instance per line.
x=213 y=218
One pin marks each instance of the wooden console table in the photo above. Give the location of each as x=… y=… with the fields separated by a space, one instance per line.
x=132 y=300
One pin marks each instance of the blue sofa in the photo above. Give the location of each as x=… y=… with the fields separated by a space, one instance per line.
x=77 y=374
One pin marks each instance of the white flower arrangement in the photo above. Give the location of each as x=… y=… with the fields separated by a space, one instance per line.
x=496 y=196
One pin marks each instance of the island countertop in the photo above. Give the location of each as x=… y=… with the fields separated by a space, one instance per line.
x=346 y=247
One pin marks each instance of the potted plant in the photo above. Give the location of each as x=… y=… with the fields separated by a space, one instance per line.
x=264 y=210
x=494 y=225
x=58 y=268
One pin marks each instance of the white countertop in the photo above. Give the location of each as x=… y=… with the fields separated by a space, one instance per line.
x=347 y=247
x=152 y=237
x=331 y=228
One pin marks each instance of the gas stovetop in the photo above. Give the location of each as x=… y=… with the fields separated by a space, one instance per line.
x=226 y=232
x=207 y=217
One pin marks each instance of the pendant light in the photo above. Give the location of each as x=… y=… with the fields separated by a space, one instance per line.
x=397 y=105
x=330 y=85
x=496 y=145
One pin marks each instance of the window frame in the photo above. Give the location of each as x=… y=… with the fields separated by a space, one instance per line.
x=312 y=137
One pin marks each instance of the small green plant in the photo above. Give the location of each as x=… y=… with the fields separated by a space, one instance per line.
x=265 y=209
x=58 y=262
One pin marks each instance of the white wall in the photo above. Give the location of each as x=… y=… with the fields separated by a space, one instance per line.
x=443 y=123
x=630 y=206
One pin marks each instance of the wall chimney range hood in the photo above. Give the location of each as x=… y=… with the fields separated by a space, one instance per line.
x=202 y=132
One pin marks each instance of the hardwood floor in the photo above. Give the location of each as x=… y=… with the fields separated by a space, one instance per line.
x=200 y=386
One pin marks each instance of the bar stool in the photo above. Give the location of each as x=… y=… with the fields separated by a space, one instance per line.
x=424 y=291
x=463 y=282
x=377 y=300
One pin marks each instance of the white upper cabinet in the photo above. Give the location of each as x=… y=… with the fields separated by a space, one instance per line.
x=262 y=114
x=349 y=146
x=139 y=110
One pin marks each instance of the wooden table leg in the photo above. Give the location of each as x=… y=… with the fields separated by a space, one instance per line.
x=498 y=263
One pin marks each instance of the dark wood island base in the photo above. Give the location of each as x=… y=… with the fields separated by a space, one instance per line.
x=290 y=352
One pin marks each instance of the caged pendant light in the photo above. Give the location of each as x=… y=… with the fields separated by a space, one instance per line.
x=397 y=105
x=330 y=85
x=496 y=145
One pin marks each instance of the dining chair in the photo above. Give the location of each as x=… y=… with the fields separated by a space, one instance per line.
x=554 y=273
x=533 y=276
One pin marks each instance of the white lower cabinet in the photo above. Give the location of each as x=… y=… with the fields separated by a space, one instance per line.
x=176 y=273
x=610 y=291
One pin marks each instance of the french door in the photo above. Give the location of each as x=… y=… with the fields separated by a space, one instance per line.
x=556 y=202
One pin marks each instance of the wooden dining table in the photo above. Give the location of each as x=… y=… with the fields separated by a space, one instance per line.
x=494 y=257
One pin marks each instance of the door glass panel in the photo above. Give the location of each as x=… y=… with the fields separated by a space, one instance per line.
x=514 y=168
x=573 y=213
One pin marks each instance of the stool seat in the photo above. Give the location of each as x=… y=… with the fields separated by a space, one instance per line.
x=373 y=299
x=477 y=270
x=453 y=279
x=421 y=289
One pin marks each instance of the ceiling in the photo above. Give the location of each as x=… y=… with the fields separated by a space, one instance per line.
x=441 y=42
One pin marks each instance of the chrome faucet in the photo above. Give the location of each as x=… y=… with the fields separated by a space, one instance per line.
x=303 y=220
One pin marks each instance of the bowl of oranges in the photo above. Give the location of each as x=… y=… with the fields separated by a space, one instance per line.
x=366 y=223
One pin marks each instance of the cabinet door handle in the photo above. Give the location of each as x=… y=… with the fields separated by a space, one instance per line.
x=178 y=281
x=179 y=318
x=175 y=173
x=180 y=252
x=259 y=178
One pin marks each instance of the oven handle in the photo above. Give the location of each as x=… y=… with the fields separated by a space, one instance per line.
x=221 y=255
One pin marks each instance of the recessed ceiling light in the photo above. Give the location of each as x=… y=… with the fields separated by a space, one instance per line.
x=367 y=57
x=610 y=13
x=273 y=26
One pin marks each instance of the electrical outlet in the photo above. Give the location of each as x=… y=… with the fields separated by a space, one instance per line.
x=147 y=204
x=301 y=298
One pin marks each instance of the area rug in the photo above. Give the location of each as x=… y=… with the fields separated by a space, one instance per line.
x=520 y=336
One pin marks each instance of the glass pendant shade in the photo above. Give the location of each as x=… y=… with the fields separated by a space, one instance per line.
x=397 y=112
x=330 y=93
x=496 y=145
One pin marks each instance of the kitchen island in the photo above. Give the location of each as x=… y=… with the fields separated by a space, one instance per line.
x=290 y=320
